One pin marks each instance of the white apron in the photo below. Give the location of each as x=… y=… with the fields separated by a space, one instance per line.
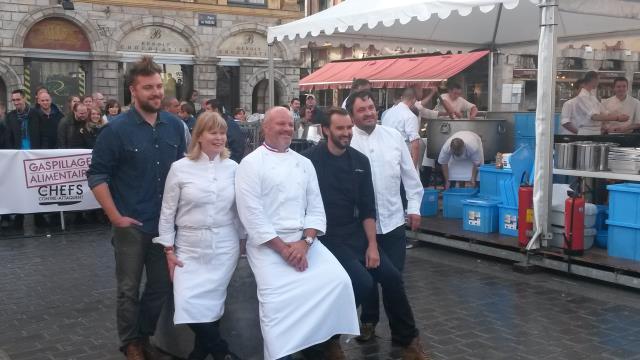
x=210 y=256
x=301 y=309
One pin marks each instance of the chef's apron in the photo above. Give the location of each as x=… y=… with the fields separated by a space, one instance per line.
x=209 y=257
x=301 y=309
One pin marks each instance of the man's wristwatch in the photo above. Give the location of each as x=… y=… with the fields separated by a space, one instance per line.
x=309 y=240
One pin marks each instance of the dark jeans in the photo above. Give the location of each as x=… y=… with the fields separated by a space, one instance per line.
x=365 y=281
x=208 y=340
x=393 y=244
x=134 y=252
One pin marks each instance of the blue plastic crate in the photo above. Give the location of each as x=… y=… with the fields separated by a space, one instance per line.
x=480 y=215
x=508 y=220
x=452 y=201
x=521 y=141
x=624 y=204
x=525 y=124
x=602 y=238
x=623 y=241
x=490 y=178
x=429 y=205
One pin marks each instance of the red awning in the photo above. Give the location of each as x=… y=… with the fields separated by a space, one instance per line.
x=390 y=73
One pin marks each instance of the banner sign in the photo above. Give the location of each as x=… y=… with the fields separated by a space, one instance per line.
x=33 y=181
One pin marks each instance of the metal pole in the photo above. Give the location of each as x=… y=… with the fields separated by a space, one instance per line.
x=490 y=108
x=62 y=225
x=271 y=76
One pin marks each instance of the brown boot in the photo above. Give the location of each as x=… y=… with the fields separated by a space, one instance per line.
x=152 y=353
x=367 y=332
x=133 y=351
x=333 y=350
x=414 y=351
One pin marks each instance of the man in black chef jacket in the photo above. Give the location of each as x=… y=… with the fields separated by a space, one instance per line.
x=346 y=186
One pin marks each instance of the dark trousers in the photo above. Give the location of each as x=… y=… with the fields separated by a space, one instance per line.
x=208 y=341
x=134 y=252
x=365 y=281
x=393 y=244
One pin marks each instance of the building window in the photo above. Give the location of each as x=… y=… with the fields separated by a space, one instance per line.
x=324 y=5
x=248 y=2
x=61 y=78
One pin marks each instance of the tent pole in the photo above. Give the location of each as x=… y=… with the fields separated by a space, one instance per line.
x=272 y=101
x=545 y=111
x=490 y=107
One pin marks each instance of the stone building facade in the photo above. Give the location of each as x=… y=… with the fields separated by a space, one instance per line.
x=217 y=47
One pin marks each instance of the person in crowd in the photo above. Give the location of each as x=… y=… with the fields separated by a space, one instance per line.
x=99 y=101
x=391 y=164
x=460 y=106
x=94 y=125
x=87 y=100
x=294 y=106
x=47 y=115
x=357 y=85
x=203 y=252
x=71 y=102
x=346 y=186
x=185 y=114
x=589 y=114
x=239 y=115
x=460 y=158
x=567 y=115
x=130 y=163
x=171 y=104
x=72 y=132
x=112 y=109
x=289 y=264
x=311 y=104
x=235 y=135
x=302 y=128
x=401 y=118
x=193 y=100
x=622 y=103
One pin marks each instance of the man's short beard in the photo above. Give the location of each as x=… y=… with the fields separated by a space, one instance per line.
x=146 y=106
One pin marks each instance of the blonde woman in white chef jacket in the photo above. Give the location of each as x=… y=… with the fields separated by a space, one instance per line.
x=202 y=253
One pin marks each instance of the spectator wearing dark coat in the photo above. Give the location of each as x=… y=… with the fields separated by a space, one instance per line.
x=47 y=115
x=21 y=133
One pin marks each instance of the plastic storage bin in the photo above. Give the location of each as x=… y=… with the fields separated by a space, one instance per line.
x=602 y=238
x=429 y=206
x=558 y=237
x=590 y=215
x=490 y=178
x=480 y=215
x=508 y=220
x=601 y=226
x=521 y=141
x=623 y=240
x=624 y=204
x=525 y=124
x=452 y=201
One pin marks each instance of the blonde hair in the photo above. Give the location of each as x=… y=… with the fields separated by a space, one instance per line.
x=207 y=121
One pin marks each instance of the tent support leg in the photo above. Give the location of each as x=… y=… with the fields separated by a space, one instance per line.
x=272 y=101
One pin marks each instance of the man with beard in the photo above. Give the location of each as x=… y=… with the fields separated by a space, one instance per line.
x=72 y=132
x=390 y=164
x=346 y=186
x=131 y=159
x=305 y=295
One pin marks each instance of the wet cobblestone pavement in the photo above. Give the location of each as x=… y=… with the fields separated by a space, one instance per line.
x=58 y=302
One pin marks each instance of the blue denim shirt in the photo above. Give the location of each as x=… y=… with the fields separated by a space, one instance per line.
x=134 y=158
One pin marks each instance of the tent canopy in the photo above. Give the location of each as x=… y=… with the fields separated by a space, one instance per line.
x=463 y=22
x=391 y=73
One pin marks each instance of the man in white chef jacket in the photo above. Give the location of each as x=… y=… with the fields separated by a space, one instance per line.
x=568 y=120
x=390 y=164
x=401 y=118
x=622 y=103
x=305 y=295
x=460 y=157
x=589 y=113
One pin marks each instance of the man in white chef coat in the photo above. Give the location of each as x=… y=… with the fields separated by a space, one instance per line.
x=460 y=157
x=622 y=103
x=589 y=113
x=305 y=295
x=401 y=118
x=390 y=164
x=568 y=120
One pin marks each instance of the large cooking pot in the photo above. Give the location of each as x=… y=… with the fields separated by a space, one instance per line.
x=489 y=130
x=565 y=155
x=587 y=156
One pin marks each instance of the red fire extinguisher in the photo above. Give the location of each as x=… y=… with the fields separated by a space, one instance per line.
x=525 y=214
x=574 y=223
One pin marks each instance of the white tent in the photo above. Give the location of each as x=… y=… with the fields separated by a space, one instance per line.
x=480 y=23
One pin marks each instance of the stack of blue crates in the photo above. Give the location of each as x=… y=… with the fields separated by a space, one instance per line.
x=525 y=129
x=429 y=205
x=452 y=201
x=491 y=179
x=624 y=221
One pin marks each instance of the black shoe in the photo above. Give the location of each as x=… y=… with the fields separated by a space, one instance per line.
x=40 y=221
x=18 y=222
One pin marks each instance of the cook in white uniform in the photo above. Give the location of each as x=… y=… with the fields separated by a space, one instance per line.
x=461 y=107
x=401 y=118
x=460 y=157
x=567 y=115
x=305 y=294
x=622 y=103
x=589 y=113
x=199 y=199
